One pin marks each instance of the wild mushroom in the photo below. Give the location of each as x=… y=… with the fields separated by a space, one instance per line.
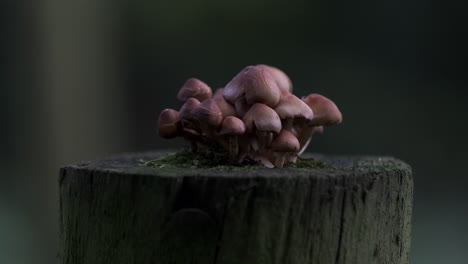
x=235 y=88
x=264 y=161
x=254 y=117
x=291 y=107
x=208 y=115
x=326 y=113
x=168 y=123
x=264 y=121
x=282 y=80
x=186 y=115
x=256 y=83
x=232 y=127
x=261 y=87
x=304 y=134
x=194 y=88
x=193 y=137
x=190 y=130
x=226 y=108
x=187 y=108
x=241 y=106
x=284 y=146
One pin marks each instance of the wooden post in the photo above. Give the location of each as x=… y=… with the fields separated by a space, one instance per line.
x=116 y=211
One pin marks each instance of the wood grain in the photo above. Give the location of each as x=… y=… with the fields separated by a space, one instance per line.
x=115 y=211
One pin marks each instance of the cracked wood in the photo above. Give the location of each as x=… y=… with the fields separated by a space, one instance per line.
x=115 y=211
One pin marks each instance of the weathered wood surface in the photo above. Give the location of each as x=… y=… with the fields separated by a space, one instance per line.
x=115 y=211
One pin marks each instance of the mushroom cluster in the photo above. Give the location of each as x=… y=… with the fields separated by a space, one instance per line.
x=255 y=116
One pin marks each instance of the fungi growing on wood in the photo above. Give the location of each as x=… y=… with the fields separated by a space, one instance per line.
x=232 y=128
x=168 y=123
x=194 y=88
x=284 y=146
x=291 y=108
x=281 y=79
x=255 y=117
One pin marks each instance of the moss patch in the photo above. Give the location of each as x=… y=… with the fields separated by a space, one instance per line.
x=310 y=163
x=204 y=160
x=215 y=160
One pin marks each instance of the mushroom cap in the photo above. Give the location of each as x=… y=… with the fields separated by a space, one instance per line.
x=285 y=142
x=232 y=126
x=256 y=83
x=326 y=112
x=262 y=118
x=195 y=88
x=261 y=87
x=235 y=88
x=168 y=123
x=226 y=108
x=187 y=108
x=208 y=112
x=242 y=106
x=282 y=80
x=292 y=107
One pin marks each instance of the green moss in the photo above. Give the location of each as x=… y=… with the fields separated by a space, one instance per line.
x=310 y=163
x=187 y=159
x=215 y=160
x=206 y=160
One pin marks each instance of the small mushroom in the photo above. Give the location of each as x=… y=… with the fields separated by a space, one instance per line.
x=208 y=115
x=186 y=115
x=284 y=146
x=290 y=107
x=264 y=161
x=190 y=127
x=235 y=88
x=194 y=88
x=282 y=80
x=305 y=137
x=232 y=128
x=261 y=87
x=241 y=106
x=264 y=121
x=326 y=112
x=256 y=84
x=187 y=108
x=192 y=136
x=226 y=108
x=168 y=123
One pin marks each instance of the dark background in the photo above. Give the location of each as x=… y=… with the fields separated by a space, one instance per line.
x=83 y=79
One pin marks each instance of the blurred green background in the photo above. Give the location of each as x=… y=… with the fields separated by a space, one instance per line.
x=83 y=79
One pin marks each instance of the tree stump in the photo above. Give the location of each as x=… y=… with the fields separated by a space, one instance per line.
x=116 y=211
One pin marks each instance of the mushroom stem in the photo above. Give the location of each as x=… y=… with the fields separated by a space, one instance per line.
x=292 y=157
x=305 y=135
x=280 y=158
x=264 y=139
x=192 y=136
x=233 y=146
x=306 y=144
x=288 y=124
x=204 y=128
x=264 y=161
x=254 y=144
x=243 y=147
